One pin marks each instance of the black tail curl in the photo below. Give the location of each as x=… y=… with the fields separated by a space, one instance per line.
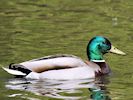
x=19 y=68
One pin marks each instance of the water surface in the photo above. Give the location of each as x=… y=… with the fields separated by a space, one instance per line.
x=30 y=29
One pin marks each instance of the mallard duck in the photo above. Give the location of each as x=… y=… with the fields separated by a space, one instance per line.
x=64 y=66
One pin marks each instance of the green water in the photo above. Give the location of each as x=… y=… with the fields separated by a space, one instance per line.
x=35 y=28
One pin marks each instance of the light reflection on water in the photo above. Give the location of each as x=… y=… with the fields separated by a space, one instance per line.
x=63 y=89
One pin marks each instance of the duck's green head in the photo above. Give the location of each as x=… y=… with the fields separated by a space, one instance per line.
x=98 y=46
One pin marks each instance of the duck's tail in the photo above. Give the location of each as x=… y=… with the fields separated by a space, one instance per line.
x=17 y=70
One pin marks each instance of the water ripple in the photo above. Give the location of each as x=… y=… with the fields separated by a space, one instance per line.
x=61 y=89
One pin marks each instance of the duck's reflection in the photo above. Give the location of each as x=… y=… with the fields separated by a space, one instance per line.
x=100 y=93
x=64 y=89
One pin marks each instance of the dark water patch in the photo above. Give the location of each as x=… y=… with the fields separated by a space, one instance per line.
x=32 y=4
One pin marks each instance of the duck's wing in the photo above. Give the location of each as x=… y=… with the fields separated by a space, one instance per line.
x=53 y=62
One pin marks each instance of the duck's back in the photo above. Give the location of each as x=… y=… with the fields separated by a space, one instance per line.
x=53 y=62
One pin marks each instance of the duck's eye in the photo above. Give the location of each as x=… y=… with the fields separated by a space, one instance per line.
x=103 y=42
x=99 y=47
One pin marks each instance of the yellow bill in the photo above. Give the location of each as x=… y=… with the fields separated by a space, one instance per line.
x=116 y=51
